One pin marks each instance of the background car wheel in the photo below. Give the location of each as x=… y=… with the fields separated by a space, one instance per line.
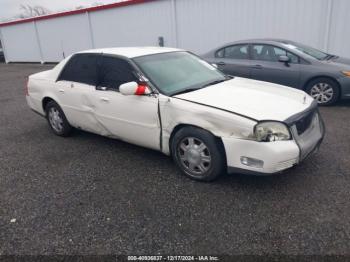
x=324 y=90
x=198 y=154
x=57 y=120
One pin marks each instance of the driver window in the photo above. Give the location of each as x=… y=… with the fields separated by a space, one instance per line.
x=271 y=53
x=279 y=51
x=112 y=72
x=263 y=53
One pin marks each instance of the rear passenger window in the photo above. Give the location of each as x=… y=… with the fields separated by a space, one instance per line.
x=81 y=68
x=234 y=52
x=113 y=72
x=220 y=53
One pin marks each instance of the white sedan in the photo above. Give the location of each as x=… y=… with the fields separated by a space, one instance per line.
x=172 y=101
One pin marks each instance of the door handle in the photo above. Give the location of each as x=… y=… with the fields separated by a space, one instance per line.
x=257 y=66
x=221 y=63
x=104 y=99
x=61 y=91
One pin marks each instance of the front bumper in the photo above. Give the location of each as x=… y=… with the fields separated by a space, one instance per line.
x=345 y=87
x=276 y=156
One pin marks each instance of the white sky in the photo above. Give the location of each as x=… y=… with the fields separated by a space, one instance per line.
x=10 y=8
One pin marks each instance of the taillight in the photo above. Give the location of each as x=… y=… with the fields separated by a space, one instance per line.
x=26 y=91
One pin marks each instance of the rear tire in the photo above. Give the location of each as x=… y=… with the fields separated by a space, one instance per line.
x=198 y=154
x=324 y=90
x=57 y=120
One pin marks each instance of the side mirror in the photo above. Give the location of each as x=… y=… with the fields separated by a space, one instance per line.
x=133 y=88
x=283 y=59
x=214 y=65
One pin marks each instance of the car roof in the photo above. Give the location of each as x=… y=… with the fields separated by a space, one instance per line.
x=272 y=41
x=263 y=40
x=132 y=52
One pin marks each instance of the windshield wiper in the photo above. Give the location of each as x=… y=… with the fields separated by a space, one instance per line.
x=216 y=82
x=329 y=57
x=185 y=91
x=203 y=86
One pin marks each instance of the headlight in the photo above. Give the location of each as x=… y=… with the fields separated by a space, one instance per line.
x=346 y=73
x=271 y=131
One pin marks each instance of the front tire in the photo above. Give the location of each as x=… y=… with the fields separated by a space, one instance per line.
x=324 y=90
x=57 y=120
x=198 y=154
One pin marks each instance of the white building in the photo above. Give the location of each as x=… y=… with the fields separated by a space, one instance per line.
x=196 y=25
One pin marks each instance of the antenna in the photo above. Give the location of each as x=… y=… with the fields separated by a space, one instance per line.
x=64 y=56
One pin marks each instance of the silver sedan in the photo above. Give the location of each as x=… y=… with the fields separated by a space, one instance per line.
x=324 y=76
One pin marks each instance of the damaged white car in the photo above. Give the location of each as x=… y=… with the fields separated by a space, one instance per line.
x=172 y=101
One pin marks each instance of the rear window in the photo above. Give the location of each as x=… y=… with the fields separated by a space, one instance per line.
x=81 y=68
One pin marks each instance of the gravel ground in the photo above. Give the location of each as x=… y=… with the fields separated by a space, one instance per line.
x=87 y=194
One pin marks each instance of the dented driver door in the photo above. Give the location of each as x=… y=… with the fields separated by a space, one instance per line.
x=132 y=118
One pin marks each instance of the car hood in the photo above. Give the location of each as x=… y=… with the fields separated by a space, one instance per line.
x=254 y=99
x=341 y=62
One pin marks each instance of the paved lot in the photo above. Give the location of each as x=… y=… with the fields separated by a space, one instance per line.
x=91 y=195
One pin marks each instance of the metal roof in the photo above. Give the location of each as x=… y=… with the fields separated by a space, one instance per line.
x=131 y=52
x=74 y=12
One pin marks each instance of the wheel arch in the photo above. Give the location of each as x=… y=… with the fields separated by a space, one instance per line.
x=183 y=125
x=45 y=101
x=308 y=81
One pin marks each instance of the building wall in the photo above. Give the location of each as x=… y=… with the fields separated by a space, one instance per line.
x=196 y=25
x=243 y=19
x=339 y=36
x=138 y=25
x=20 y=43
x=62 y=36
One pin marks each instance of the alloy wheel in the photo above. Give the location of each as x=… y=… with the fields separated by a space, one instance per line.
x=322 y=92
x=55 y=119
x=194 y=155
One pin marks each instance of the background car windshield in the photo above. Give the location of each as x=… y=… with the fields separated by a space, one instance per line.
x=308 y=51
x=177 y=71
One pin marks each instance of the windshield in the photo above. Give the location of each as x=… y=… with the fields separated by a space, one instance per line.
x=308 y=51
x=175 y=72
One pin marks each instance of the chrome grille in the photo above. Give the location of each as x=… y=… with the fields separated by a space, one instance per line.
x=311 y=136
x=304 y=123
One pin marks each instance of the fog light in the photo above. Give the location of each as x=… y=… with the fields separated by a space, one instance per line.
x=252 y=162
